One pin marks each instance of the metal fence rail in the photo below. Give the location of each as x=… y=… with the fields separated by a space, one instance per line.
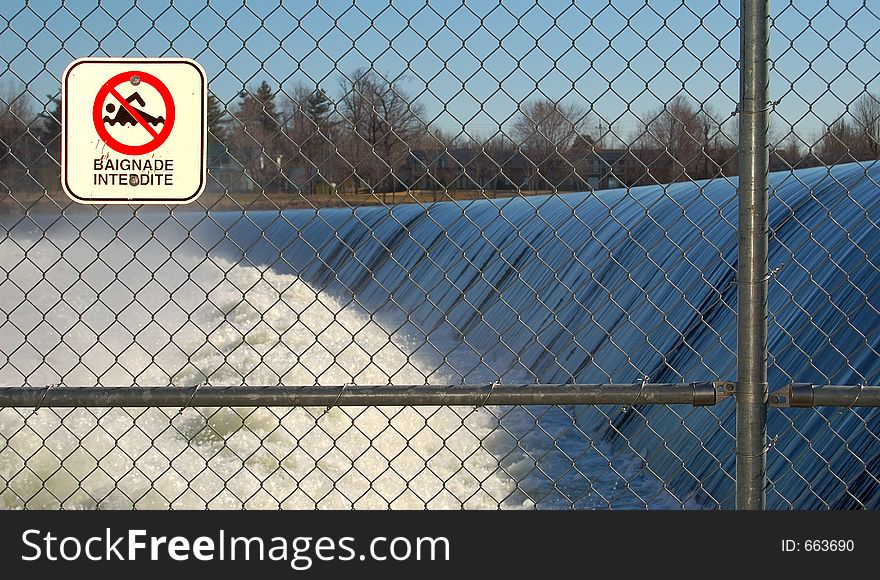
x=806 y=395
x=476 y=255
x=697 y=394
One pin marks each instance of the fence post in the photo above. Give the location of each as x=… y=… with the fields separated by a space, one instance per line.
x=751 y=391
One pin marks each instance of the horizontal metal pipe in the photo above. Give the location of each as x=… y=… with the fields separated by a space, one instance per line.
x=706 y=393
x=807 y=395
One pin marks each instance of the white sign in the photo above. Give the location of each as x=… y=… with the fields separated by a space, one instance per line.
x=133 y=130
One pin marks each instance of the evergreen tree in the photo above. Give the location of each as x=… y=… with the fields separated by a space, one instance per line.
x=258 y=108
x=216 y=121
x=257 y=135
x=49 y=131
x=318 y=107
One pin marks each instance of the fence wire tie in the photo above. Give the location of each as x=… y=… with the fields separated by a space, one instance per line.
x=854 y=401
x=485 y=401
x=771 y=275
x=192 y=397
x=336 y=400
x=771 y=105
x=641 y=385
x=771 y=443
x=43 y=397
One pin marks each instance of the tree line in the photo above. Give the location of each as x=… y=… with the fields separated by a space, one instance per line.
x=371 y=136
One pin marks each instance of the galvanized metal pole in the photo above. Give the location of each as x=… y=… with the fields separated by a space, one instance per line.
x=751 y=390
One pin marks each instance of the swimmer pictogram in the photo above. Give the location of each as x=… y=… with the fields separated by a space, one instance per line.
x=123 y=117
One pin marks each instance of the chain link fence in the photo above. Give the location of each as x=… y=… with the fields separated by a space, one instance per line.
x=475 y=255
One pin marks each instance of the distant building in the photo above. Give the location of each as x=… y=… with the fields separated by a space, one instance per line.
x=604 y=169
x=464 y=169
x=225 y=173
x=511 y=169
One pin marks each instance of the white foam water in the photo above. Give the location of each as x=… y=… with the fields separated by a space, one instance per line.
x=91 y=314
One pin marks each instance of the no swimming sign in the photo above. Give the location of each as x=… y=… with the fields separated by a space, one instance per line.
x=133 y=130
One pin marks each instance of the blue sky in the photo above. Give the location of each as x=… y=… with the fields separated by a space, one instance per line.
x=470 y=64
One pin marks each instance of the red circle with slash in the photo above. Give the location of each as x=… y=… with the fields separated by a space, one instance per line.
x=109 y=88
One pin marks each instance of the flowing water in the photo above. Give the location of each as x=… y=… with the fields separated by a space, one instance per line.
x=604 y=287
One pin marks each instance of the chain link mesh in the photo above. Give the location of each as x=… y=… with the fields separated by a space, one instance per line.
x=823 y=251
x=439 y=193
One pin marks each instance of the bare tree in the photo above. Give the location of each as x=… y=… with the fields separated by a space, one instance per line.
x=381 y=124
x=838 y=144
x=439 y=138
x=866 y=113
x=297 y=130
x=308 y=133
x=679 y=140
x=791 y=151
x=546 y=132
